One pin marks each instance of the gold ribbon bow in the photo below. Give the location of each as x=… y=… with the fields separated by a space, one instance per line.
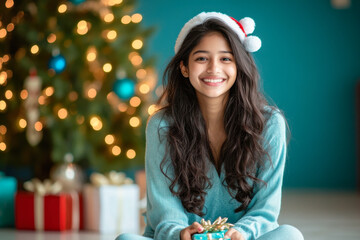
x=43 y=188
x=218 y=225
x=111 y=178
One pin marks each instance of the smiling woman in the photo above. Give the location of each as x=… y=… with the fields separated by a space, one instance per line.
x=216 y=147
x=211 y=68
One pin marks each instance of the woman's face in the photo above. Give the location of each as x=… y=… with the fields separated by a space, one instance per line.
x=211 y=68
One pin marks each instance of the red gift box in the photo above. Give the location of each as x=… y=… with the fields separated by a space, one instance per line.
x=49 y=212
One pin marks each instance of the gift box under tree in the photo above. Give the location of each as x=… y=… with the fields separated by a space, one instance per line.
x=111 y=204
x=8 y=187
x=45 y=207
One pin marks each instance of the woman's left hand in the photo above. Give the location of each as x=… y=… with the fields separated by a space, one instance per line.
x=233 y=235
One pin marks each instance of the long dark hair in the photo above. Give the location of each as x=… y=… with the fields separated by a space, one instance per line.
x=187 y=138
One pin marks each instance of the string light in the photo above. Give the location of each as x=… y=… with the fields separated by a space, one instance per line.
x=10 y=27
x=51 y=38
x=34 y=49
x=107 y=67
x=92 y=93
x=49 y=91
x=131 y=153
x=141 y=73
x=137 y=44
x=144 y=88
x=111 y=35
x=3 y=33
x=6 y=58
x=134 y=122
x=3 y=129
x=9 y=3
x=109 y=17
x=3 y=77
x=62 y=113
x=136 y=18
x=38 y=126
x=62 y=8
x=41 y=100
x=122 y=107
x=126 y=19
x=109 y=139
x=135 y=101
x=96 y=123
x=9 y=94
x=2 y=105
x=91 y=54
x=111 y=2
x=2 y=146
x=116 y=150
x=23 y=94
x=136 y=60
x=83 y=27
x=132 y=54
x=116 y=2
x=22 y=123
x=152 y=108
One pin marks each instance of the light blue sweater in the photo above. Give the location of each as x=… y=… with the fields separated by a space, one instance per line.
x=165 y=215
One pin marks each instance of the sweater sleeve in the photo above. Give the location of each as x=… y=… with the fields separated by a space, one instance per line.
x=263 y=211
x=165 y=214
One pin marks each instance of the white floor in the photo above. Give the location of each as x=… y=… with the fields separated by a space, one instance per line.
x=319 y=215
x=323 y=215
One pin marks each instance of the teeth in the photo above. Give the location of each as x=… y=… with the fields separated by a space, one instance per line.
x=212 y=80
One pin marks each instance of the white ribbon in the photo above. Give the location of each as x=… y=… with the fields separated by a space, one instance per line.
x=39 y=212
x=111 y=178
x=75 y=210
x=120 y=212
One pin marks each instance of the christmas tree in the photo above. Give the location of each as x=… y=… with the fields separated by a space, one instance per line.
x=74 y=79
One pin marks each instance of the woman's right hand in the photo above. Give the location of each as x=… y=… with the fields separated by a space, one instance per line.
x=186 y=233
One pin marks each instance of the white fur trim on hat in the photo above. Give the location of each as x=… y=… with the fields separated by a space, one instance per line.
x=251 y=43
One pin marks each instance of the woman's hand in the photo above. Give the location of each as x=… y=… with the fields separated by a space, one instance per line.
x=186 y=233
x=233 y=235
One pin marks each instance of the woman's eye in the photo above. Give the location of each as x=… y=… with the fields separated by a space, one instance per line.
x=201 y=59
x=226 y=59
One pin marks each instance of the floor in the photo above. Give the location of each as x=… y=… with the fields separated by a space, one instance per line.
x=323 y=215
x=319 y=215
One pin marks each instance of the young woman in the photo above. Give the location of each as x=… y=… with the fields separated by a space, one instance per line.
x=216 y=148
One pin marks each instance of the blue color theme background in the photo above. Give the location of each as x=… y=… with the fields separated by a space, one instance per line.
x=309 y=63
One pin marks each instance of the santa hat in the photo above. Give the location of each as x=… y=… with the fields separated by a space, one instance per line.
x=242 y=28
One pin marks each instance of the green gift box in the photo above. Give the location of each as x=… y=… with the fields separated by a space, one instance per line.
x=210 y=236
x=213 y=231
x=8 y=186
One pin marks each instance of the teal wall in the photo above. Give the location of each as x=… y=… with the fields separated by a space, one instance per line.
x=309 y=63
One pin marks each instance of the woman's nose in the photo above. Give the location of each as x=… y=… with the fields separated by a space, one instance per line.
x=213 y=67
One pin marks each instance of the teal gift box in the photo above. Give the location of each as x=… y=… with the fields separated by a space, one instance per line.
x=210 y=236
x=8 y=186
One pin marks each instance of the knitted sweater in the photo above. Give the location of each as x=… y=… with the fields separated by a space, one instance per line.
x=165 y=215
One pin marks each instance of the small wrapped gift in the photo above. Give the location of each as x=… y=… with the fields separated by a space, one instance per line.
x=44 y=207
x=8 y=187
x=111 y=204
x=212 y=231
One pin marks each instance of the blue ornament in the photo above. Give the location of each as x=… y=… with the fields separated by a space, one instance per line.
x=57 y=63
x=77 y=2
x=124 y=88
